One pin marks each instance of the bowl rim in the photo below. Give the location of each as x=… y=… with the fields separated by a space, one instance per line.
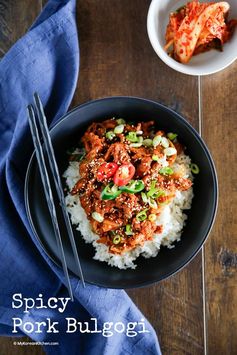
x=182 y=68
x=213 y=171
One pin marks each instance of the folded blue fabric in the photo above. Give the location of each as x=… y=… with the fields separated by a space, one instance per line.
x=46 y=60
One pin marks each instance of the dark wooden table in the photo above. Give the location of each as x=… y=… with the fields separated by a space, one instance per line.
x=195 y=311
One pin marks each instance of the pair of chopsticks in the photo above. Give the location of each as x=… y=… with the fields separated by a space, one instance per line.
x=36 y=113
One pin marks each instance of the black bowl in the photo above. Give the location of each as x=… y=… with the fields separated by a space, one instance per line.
x=66 y=134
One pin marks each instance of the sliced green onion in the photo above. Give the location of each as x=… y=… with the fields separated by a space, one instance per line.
x=194 y=168
x=119 y=129
x=165 y=142
x=117 y=239
x=97 y=217
x=152 y=189
x=144 y=197
x=156 y=140
x=151 y=192
x=172 y=135
x=120 y=121
x=152 y=217
x=152 y=203
x=153 y=184
x=147 y=142
x=155 y=157
x=138 y=144
x=141 y=216
x=132 y=137
x=128 y=230
x=170 y=151
x=135 y=145
x=110 y=135
x=155 y=193
x=166 y=170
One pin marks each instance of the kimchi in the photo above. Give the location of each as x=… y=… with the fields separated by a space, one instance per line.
x=196 y=28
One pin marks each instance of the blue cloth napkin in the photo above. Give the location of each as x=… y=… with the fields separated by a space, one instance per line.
x=46 y=60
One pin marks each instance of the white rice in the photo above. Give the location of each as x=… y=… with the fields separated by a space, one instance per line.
x=172 y=218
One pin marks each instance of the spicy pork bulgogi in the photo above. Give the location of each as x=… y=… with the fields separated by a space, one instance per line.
x=128 y=174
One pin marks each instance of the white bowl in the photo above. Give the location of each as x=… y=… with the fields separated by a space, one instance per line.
x=202 y=64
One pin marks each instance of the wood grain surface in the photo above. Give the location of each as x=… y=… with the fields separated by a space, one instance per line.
x=117 y=59
x=220 y=132
x=15 y=19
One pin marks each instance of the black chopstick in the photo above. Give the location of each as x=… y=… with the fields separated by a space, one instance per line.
x=56 y=178
x=48 y=191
